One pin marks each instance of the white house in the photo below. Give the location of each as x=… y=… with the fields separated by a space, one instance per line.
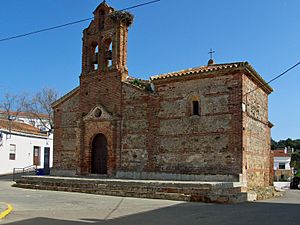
x=282 y=160
x=23 y=145
x=282 y=163
x=282 y=169
x=40 y=121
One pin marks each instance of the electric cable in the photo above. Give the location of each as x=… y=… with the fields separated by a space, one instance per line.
x=275 y=78
x=69 y=24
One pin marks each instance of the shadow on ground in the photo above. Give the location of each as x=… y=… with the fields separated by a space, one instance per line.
x=195 y=213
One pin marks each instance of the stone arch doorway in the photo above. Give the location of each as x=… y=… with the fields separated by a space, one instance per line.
x=99 y=154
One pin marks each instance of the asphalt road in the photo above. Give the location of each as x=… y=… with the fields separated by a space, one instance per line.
x=36 y=207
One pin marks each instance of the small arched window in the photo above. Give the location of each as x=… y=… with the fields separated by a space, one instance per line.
x=196 y=108
x=194 y=105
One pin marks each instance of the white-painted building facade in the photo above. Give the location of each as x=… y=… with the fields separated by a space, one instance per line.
x=282 y=163
x=23 y=145
x=40 y=121
x=283 y=171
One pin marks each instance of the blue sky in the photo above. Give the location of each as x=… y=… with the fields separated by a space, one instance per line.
x=167 y=36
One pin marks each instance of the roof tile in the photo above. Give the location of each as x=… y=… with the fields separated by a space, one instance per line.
x=19 y=127
x=216 y=67
x=195 y=70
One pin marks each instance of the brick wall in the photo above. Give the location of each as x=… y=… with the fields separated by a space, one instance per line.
x=101 y=85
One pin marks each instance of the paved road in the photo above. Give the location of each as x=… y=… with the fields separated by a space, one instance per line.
x=36 y=207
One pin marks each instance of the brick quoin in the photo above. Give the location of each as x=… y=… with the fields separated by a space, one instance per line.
x=149 y=125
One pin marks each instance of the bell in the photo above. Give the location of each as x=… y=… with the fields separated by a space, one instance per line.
x=109 y=55
x=95 y=58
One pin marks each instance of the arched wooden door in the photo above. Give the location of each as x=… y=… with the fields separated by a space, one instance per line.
x=99 y=154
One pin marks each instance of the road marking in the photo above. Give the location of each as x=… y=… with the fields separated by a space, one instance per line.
x=8 y=210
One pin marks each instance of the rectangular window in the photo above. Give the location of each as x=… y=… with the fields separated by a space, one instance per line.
x=196 y=108
x=12 y=152
x=282 y=166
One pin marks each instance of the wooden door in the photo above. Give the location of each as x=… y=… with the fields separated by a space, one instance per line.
x=36 y=155
x=99 y=155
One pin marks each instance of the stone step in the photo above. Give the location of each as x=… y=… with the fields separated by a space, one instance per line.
x=180 y=191
x=118 y=192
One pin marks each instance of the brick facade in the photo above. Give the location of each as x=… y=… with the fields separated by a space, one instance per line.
x=198 y=123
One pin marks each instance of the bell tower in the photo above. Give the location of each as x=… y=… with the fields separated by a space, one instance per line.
x=104 y=54
x=105 y=42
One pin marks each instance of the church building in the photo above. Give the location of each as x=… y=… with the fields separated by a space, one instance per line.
x=207 y=123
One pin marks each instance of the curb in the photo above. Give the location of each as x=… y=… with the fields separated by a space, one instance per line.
x=8 y=210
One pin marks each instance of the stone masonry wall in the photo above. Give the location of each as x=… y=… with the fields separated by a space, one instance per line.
x=161 y=135
x=65 y=119
x=256 y=136
x=205 y=144
x=135 y=129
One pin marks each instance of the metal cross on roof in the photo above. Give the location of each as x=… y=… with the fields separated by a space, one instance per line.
x=211 y=52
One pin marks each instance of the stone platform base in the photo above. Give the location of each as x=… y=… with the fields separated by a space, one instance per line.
x=218 y=192
x=181 y=177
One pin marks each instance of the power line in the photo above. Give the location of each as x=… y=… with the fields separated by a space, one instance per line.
x=275 y=78
x=146 y=3
x=69 y=24
x=280 y=75
x=43 y=30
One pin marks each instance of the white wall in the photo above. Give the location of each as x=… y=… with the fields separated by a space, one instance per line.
x=24 y=150
x=34 y=122
x=282 y=185
x=28 y=119
x=285 y=160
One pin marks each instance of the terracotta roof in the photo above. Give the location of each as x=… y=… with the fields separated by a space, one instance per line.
x=20 y=127
x=215 y=67
x=280 y=153
x=194 y=70
x=24 y=114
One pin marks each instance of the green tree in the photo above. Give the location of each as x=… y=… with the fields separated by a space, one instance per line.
x=273 y=144
x=295 y=162
x=286 y=143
